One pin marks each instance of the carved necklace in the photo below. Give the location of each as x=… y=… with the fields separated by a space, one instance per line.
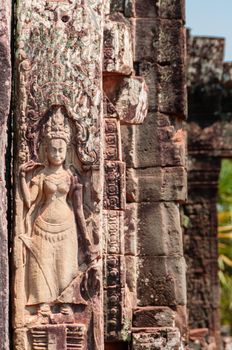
x=56 y=179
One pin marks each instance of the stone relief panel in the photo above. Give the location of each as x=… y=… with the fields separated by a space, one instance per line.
x=58 y=199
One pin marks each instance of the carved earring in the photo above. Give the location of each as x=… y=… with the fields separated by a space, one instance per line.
x=46 y=163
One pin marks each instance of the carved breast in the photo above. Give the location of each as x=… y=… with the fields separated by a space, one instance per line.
x=56 y=209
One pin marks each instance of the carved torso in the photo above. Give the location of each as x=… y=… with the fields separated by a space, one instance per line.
x=55 y=189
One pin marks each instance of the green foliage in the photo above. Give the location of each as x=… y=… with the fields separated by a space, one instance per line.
x=225 y=184
x=225 y=240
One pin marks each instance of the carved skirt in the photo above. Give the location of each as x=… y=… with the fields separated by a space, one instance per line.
x=52 y=260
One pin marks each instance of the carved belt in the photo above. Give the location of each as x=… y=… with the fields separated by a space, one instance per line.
x=54 y=232
x=54 y=228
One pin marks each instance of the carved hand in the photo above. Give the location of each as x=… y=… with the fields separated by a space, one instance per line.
x=27 y=167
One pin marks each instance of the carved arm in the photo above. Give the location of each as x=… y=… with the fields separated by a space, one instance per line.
x=29 y=193
x=76 y=192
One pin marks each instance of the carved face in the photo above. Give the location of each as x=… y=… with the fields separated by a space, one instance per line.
x=56 y=151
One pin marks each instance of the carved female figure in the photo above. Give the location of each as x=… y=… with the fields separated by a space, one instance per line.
x=54 y=217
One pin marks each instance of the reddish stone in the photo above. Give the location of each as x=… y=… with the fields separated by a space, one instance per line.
x=5 y=93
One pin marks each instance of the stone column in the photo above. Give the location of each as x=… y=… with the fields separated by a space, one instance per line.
x=209 y=140
x=125 y=103
x=201 y=250
x=156 y=176
x=58 y=176
x=5 y=94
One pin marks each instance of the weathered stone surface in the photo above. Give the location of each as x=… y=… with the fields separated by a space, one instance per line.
x=156 y=184
x=161 y=48
x=59 y=174
x=208 y=134
x=171 y=9
x=114 y=197
x=181 y=321
x=205 y=56
x=127 y=99
x=161 y=281
x=159 y=230
x=167 y=87
x=135 y=8
x=68 y=100
x=165 y=338
x=116 y=6
x=125 y=102
x=115 y=275
x=148 y=70
x=118 y=54
x=213 y=139
x=159 y=40
x=130 y=229
x=172 y=96
x=114 y=232
x=131 y=276
x=227 y=74
x=112 y=150
x=131 y=102
x=5 y=93
x=153 y=317
x=160 y=141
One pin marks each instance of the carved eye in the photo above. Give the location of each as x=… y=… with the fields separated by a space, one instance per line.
x=65 y=18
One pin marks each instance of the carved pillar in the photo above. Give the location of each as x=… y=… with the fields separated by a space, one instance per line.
x=5 y=93
x=58 y=176
x=125 y=103
x=209 y=140
x=201 y=249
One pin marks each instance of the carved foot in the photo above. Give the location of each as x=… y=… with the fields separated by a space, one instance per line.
x=44 y=310
x=92 y=254
x=65 y=309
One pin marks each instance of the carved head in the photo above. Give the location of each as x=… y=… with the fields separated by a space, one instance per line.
x=57 y=137
x=56 y=151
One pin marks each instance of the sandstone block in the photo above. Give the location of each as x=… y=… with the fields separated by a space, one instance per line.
x=112 y=150
x=132 y=100
x=153 y=317
x=130 y=229
x=167 y=338
x=114 y=192
x=161 y=281
x=181 y=320
x=160 y=40
x=118 y=54
x=206 y=57
x=147 y=69
x=170 y=42
x=159 y=231
x=136 y=8
x=113 y=236
x=171 y=9
x=131 y=274
x=157 y=143
x=116 y=6
x=156 y=184
x=172 y=94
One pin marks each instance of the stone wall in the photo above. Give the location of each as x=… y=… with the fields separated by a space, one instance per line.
x=86 y=74
x=155 y=156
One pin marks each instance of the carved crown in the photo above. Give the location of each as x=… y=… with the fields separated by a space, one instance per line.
x=57 y=127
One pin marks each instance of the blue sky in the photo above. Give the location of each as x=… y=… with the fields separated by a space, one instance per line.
x=211 y=18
